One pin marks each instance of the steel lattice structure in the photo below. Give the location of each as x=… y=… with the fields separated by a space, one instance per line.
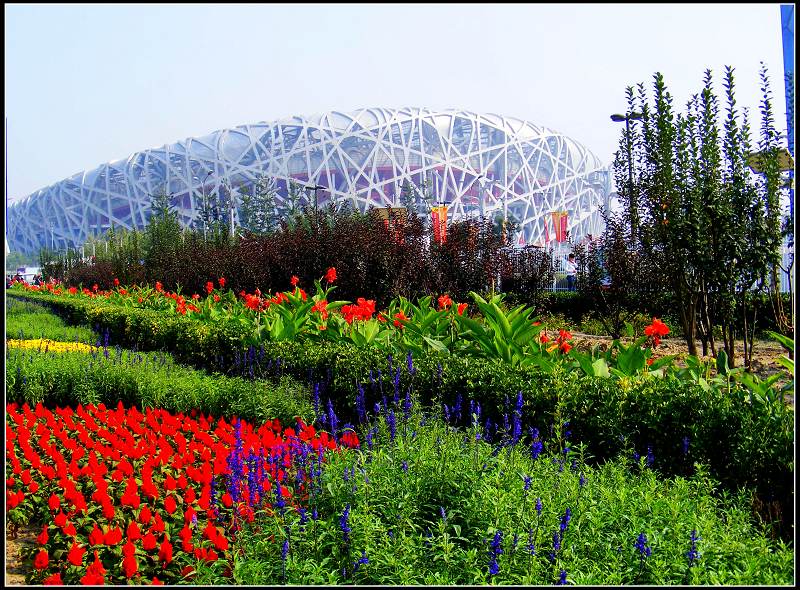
x=472 y=162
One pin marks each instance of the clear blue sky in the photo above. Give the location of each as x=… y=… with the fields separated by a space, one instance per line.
x=88 y=84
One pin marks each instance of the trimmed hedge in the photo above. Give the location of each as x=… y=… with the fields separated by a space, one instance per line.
x=147 y=380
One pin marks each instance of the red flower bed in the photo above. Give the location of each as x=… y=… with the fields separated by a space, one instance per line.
x=126 y=496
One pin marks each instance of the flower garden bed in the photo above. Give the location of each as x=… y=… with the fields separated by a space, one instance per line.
x=460 y=469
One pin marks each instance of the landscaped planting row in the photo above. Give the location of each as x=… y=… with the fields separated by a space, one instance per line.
x=127 y=496
x=745 y=439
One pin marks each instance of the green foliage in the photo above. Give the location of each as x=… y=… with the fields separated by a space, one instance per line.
x=701 y=217
x=146 y=380
x=26 y=320
x=425 y=505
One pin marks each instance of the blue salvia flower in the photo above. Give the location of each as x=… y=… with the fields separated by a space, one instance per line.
x=514 y=541
x=344 y=524
x=446 y=413
x=392 y=422
x=360 y=404
x=562 y=578
x=567 y=432
x=285 y=550
x=641 y=546
x=390 y=534
x=457 y=408
x=396 y=383
x=495 y=549
x=377 y=408
x=556 y=546
x=692 y=554
x=538 y=506
x=582 y=480
x=370 y=434
x=314 y=513
x=410 y=361
x=363 y=560
x=332 y=420
x=316 y=398
x=346 y=474
x=565 y=521
x=636 y=457
x=407 y=405
x=280 y=503
x=536 y=446
x=443 y=514
x=303 y=516
x=685 y=445
x=650 y=458
x=530 y=546
x=527 y=485
x=405 y=466
x=516 y=428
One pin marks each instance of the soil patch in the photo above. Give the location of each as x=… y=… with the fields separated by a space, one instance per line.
x=15 y=566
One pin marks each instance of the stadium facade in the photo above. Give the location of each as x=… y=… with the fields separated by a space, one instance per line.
x=473 y=163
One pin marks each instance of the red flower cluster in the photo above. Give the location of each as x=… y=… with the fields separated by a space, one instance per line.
x=361 y=310
x=656 y=331
x=143 y=480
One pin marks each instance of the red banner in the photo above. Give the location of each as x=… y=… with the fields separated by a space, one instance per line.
x=439 y=219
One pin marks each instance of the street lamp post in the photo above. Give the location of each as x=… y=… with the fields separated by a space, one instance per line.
x=315 y=187
x=634 y=206
x=205 y=205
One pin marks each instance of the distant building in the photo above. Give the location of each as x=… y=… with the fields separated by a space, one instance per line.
x=474 y=163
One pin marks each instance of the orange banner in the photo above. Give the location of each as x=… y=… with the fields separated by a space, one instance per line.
x=439 y=219
x=560 y=225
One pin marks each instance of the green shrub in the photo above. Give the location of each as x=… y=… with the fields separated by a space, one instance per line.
x=147 y=380
x=26 y=320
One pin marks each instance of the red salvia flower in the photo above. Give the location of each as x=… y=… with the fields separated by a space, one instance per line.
x=133 y=533
x=165 y=552
x=41 y=560
x=149 y=542
x=221 y=281
x=96 y=536
x=75 y=555
x=209 y=287
x=113 y=536
x=54 y=580
x=43 y=537
x=330 y=275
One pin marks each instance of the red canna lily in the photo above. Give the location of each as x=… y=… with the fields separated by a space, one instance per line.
x=330 y=275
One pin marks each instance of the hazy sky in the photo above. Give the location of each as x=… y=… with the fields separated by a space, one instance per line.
x=88 y=84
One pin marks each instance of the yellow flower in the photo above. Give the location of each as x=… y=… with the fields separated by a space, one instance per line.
x=50 y=345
